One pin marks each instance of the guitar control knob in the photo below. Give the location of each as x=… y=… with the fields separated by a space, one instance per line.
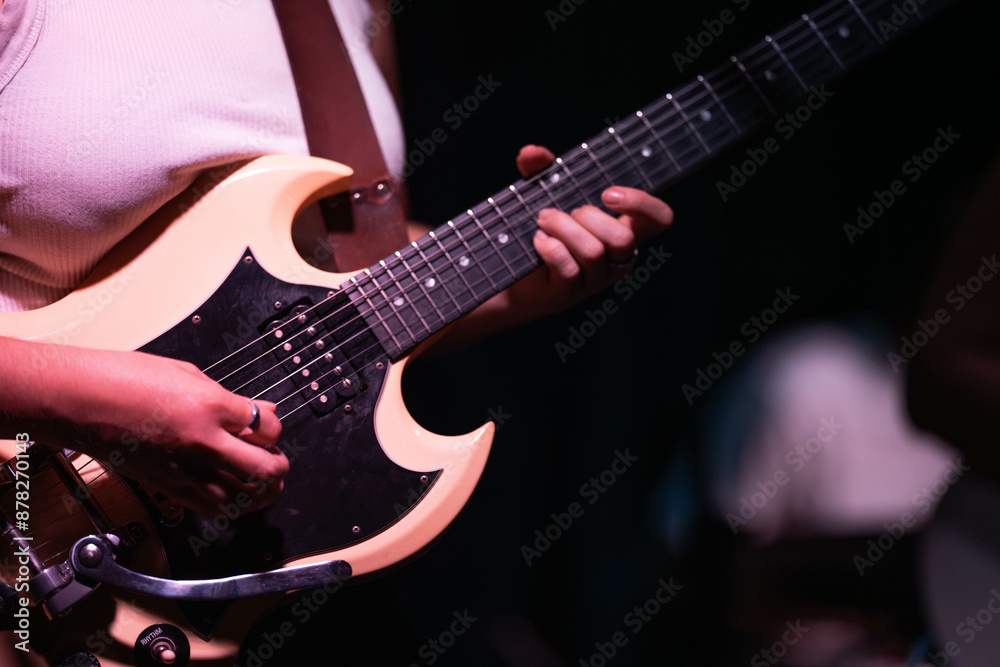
x=162 y=644
x=80 y=659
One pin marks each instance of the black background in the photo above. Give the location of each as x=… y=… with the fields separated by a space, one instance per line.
x=565 y=421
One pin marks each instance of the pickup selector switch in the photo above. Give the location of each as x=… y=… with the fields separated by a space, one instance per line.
x=162 y=644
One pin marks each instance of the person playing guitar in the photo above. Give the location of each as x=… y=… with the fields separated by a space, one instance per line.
x=105 y=116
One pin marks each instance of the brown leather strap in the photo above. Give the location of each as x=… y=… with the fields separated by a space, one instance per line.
x=338 y=127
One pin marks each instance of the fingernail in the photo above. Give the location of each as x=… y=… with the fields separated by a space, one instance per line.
x=613 y=196
x=540 y=235
x=544 y=214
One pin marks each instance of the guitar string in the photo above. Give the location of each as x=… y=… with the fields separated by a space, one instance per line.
x=488 y=220
x=624 y=128
x=797 y=33
x=840 y=8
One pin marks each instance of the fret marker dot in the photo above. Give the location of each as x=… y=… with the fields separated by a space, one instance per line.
x=769 y=75
x=463 y=261
x=430 y=282
x=706 y=115
x=843 y=31
x=503 y=238
x=647 y=151
x=554 y=178
x=398 y=301
x=314 y=386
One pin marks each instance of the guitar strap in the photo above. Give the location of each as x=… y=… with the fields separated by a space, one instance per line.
x=338 y=127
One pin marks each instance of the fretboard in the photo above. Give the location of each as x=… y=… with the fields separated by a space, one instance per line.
x=412 y=294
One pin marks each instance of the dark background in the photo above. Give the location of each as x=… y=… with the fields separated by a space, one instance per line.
x=564 y=421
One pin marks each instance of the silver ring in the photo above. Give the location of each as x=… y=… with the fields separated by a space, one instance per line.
x=254 y=416
x=625 y=265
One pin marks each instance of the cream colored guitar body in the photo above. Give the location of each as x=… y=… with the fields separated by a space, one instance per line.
x=152 y=281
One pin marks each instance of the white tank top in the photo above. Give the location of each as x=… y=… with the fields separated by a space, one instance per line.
x=108 y=110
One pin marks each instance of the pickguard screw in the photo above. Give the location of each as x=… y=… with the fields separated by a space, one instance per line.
x=277 y=305
x=348 y=408
x=423 y=479
x=248 y=260
x=379 y=365
x=196 y=319
x=356 y=530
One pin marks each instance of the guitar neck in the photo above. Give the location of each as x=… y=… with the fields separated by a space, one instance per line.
x=412 y=294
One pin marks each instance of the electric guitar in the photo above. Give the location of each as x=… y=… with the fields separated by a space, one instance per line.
x=213 y=278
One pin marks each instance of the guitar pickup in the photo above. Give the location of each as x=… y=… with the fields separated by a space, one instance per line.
x=312 y=358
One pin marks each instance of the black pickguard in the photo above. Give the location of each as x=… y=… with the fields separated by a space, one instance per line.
x=342 y=488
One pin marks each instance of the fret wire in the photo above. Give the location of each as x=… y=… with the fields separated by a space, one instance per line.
x=795 y=35
x=388 y=302
x=761 y=55
x=787 y=62
x=472 y=256
x=489 y=241
x=441 y=280
x=402 y=293
x=545 y=189
x=458 y=271
x=422 y=287
x=496 y=249
x=823 y=41
x=753 y=84
x=586 y=149
x=711 y=91
x=510 y=228
x=687 y=122
x=572 y=179
x=659 y=140
x=635 y=165
x=864 y=19
x=527 y=210
x=371 y=305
